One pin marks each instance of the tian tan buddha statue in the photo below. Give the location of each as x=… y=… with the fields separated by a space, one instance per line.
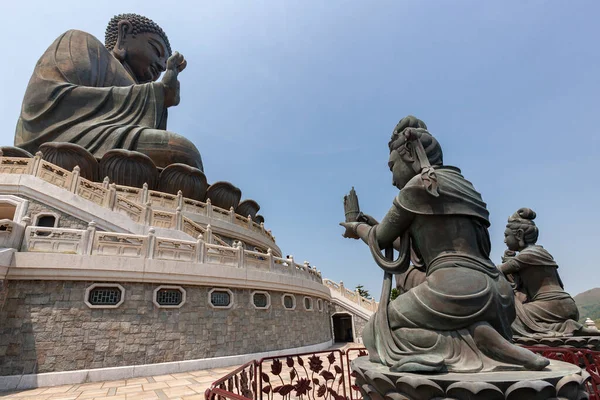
x=107 y=96
x=543 y=308
x=457 y=316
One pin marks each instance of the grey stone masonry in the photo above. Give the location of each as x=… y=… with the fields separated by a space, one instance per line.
x=64 y=220
x=45 y=326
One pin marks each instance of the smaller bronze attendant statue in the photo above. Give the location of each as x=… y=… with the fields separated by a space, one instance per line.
x=543 y=307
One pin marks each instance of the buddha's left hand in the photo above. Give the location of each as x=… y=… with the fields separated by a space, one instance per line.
x=350 y=229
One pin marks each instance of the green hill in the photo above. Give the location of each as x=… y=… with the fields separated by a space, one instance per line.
x=588 y=304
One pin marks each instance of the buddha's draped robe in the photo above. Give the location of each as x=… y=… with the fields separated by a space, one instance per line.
x=548 y=313
x=428 y=326
x=80 y=93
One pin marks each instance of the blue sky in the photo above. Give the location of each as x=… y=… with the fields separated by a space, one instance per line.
x=294 y=102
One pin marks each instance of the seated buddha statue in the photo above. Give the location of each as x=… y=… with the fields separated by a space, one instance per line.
x=108 y=96
x=456 y=314
x=543 y=307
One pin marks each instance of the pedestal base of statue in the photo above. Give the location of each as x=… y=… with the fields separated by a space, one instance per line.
x=558 y=380
x=578 y=342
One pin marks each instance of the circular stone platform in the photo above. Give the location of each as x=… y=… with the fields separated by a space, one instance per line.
x=559 y=379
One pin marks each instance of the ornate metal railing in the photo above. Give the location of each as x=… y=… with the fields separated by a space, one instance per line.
x=239 y=384
x=584 y=358
x=310 y=376
x=327 y=375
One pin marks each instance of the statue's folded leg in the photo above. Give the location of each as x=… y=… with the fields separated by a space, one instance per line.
x=496 y=347
x=165 y=148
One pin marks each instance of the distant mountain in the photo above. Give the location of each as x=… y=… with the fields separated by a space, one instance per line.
x=588 y=304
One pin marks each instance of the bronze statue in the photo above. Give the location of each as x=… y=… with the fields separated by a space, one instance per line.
x=458 y=317
x=543 y=307
x=105 y=97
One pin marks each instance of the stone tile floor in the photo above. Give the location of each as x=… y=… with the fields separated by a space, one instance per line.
x=185 y=386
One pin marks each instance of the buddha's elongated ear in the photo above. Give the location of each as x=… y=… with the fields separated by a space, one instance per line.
x=124 y=31
x=520 y=236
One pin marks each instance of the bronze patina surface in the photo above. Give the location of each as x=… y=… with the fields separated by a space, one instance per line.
x=107 y=96
x=456 y=315
x=544 y=308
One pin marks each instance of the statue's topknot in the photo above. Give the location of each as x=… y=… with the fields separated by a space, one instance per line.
x=140 y=25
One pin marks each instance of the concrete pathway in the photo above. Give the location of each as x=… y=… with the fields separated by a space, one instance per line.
x=185 y=386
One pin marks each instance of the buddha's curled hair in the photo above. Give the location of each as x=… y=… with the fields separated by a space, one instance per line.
x=139 y=23
x=523 y=219
x=432 y=147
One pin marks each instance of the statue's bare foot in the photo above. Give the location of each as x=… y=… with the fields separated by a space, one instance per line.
x=495 y=346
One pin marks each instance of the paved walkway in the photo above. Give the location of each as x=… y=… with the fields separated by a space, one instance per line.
x=186 y=386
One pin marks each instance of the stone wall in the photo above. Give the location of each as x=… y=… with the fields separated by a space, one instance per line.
x=45 y=326
x=64 y=220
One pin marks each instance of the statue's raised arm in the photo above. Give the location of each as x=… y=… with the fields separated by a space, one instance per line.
x=107 y=96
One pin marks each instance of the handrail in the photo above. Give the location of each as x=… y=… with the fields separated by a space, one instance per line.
x=111 y=195
x=92 y=242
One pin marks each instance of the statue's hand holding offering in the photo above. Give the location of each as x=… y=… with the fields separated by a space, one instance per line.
x=175 y=64
x=508 y=254
x=350 y=230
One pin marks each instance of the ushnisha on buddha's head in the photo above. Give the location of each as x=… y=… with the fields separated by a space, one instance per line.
x=412 y=149
x=139 y=44
x=521 y=231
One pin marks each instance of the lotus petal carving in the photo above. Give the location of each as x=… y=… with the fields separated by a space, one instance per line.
x=68 y=155
x=191 y=181
x=129 y=168
x=224 y=195
x=248 y=207
x=10 y=151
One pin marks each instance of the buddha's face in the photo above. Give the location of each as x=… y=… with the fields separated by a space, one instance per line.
x=402 y=172
x=512 y=240
x=146 y=55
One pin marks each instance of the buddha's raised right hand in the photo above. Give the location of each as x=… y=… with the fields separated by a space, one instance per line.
x=175 y=64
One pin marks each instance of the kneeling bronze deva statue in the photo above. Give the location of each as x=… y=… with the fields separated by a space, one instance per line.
x=457 y=315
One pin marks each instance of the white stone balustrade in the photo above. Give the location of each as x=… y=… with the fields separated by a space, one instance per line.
x=141 y=205
x=92 y=242
x=355 y=297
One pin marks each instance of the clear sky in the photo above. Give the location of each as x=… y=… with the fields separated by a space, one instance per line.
x=294 y=102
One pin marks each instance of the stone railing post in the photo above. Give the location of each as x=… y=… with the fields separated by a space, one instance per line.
x=105 y=182
x=148 y=213
x=178 y=218
x=342 y=289
x=179 y=199
x=111 y=196
x=306 y=266
x=292 y=264
x=88 y=243
x=231 y=215
x=26 y=221
x=36 y=163
x=144 y=193
x=208 y=208
x=208 y=234
x=249 y=222
x=358 y=297
x=271 y=261
x=200 y=249
x=151 y=243
x=75 y=179
x=262 y=227
x=240 y=249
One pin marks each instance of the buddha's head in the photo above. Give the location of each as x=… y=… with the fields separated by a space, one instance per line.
x=139 y=44
x=521 y=230
x=406 y=158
